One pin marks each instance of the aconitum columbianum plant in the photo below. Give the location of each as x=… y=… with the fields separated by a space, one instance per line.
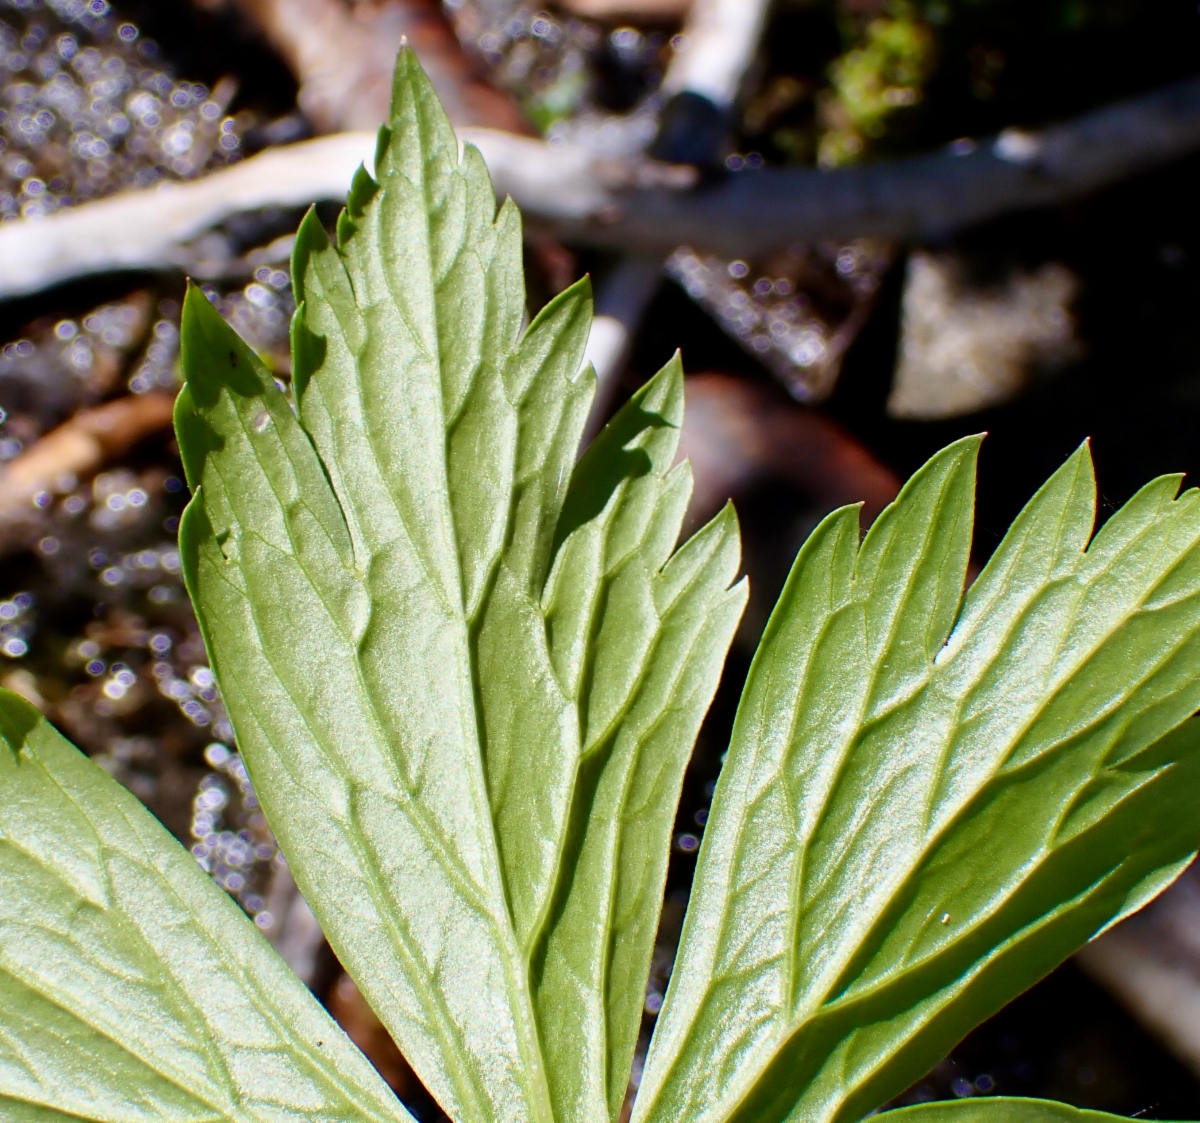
x=466 y=672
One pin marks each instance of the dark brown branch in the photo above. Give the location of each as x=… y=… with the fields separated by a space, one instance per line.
x=912 y=199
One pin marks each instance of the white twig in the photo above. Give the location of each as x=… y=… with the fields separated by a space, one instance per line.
x=720 y=39
x=621 y=299
x=639 y=207
x=150 y=229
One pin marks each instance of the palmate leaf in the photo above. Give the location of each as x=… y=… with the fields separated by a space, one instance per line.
x=465 y=675
x=928 y=803
x=998 y=1109
x=132 y=989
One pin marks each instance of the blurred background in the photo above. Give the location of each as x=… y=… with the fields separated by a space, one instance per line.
x=871 y=226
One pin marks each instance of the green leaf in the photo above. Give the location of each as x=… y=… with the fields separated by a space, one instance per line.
x=131 y=988
x=465 y=675
x=926 y=807
x=640 y=640
x=997 y=1109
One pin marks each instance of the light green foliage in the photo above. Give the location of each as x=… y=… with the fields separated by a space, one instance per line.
x=465 y=677
x=885 y=71
x=925 y=807
x=132 y=989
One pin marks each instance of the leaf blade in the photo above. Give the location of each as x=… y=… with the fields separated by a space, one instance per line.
x=131 y=988
x=937 y=792
x=628 y=621
x=315 y=722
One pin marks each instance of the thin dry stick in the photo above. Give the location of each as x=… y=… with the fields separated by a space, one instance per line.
x=150 y=229
x=76 y=449
x=914 y=198
x=577 y=196
x=720 y=39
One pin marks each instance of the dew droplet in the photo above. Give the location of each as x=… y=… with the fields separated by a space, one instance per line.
x=261 y=421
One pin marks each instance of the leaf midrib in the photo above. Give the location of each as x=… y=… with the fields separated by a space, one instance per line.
x=897 y=976
x=1069 y=670
x=856 y=601
x=1049 y=695
x=631 y=771
x=931 y=837
x=65 y=1113
x=369 y=863
x=917 y=863
x=233 y=965
x=529 y=1035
